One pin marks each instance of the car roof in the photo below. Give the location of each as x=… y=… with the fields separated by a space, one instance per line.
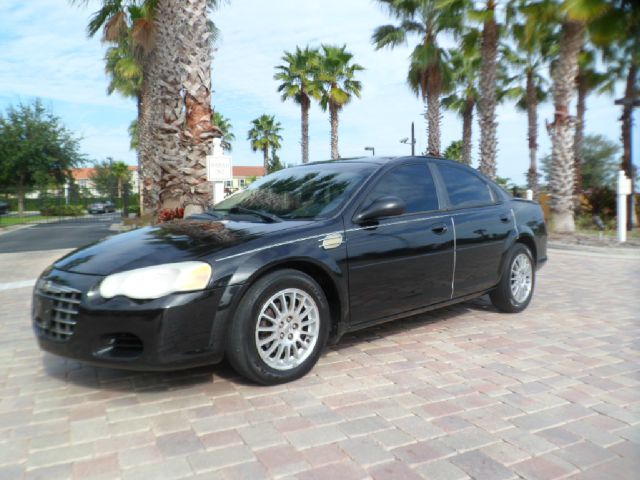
x=378 y=160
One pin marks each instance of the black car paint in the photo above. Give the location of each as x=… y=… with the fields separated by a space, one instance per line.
x=384 y=269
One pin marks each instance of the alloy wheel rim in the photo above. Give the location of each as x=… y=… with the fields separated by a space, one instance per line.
x=521 y=277
x=287 y=329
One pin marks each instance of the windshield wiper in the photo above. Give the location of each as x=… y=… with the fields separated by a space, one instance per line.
x=269 y=217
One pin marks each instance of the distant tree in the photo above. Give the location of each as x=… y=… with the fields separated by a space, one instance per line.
x=274 y=163
x=454 y=151
x=226 y=129
x=264 y=136
x=34 y=146
x=109 y=177
x=298 y=76
x=337 y=75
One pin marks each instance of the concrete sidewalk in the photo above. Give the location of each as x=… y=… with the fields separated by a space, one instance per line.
x=460 y=393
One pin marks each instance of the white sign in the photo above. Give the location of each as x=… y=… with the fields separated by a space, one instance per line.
x=219 y=168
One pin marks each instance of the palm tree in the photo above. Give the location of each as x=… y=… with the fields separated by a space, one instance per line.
x=224 y=124
x=617 y=33
x=465 y=66
x=535 y=45
x=264 y=135
x=337 y=77
x=427 y=76
x=488 y=80
x=298 y=77
x=588 y=80
x=573 y=18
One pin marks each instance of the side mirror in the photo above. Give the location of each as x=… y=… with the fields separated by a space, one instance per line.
x=389 y=206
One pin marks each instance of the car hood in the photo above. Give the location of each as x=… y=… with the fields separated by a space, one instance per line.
x=176 y=241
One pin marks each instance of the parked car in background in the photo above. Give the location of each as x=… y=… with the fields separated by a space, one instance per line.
x=102 y=207
x=272 y=274
x=4 y=207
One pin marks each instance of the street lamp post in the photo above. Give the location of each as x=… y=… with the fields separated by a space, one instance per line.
x=413 y=140
x=372 y=150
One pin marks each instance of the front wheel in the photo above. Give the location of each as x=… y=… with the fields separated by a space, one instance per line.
x=515 y=289
x=280 y=328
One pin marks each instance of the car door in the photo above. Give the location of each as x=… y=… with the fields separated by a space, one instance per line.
x=482 y=228
x=400 y=263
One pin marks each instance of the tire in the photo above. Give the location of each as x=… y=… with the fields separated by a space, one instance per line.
x=270 y=344
x=514 y=300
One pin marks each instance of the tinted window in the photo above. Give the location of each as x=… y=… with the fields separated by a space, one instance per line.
x=465 y=188
x=412 y=183
x=300 y=192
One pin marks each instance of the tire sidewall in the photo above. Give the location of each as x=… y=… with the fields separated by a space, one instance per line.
x=250 y=310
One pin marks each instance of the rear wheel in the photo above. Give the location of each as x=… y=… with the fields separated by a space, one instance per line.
x=280 y=328
x=515 y=289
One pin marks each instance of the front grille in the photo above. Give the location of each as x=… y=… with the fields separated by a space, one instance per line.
x=64 y=308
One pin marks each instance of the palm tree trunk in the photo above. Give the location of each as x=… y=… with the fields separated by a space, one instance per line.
x=432 y=115
x=265 y=157
x=20 y=194
x=630 y=95
x=467 y=125
x=532 y=119
x=333 y=118
x=148 y=168
x=304 y=109
x=186 y=182
x=578 y=138
x=562 y=160
x=487 y=101
x=167 y=116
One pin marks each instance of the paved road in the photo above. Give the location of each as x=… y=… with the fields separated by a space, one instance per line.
x=64 y=234
x=460 y=393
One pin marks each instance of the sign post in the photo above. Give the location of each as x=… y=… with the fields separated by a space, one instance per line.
x=218 y=170
x=624 y=189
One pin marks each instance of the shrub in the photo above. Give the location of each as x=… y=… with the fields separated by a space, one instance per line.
x=63 y=210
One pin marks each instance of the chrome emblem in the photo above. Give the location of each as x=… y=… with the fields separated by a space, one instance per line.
x=333 y=240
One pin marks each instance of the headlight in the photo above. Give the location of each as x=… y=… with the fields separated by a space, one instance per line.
x=157 y=281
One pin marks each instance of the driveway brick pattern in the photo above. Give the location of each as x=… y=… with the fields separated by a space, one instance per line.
x=459 y=393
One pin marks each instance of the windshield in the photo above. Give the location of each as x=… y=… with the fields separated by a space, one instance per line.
x=299 y=192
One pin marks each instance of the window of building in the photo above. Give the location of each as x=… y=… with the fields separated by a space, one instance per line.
x=242 y=182
x=464 y=187
x=412 y=183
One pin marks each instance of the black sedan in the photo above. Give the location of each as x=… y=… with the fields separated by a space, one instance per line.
x=272 y=274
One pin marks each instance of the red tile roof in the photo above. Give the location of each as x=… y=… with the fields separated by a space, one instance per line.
x=248 y=171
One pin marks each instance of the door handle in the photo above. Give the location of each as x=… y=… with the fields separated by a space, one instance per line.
x=439 y=229
x=505 y=218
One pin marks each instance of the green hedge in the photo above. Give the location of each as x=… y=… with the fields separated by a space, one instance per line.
x=63 y=210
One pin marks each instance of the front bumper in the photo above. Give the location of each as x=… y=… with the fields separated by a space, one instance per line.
x=72 y=320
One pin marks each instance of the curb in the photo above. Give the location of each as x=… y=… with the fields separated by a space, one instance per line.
x=607 y=251
x=15 y=228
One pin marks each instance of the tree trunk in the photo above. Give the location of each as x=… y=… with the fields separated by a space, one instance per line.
x=186 y=182
x=467 y=126
x=148 y=168
x=265 y=157
x=333 y=118
x=167 y=116
x=532 y=119
x=432 y=113
x=20 y=194
x=562 y=161
x=487 y=101
x=304 y=109
x=630 y=95
x=578 y=137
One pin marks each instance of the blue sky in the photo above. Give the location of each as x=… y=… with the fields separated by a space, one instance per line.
x=44 y=52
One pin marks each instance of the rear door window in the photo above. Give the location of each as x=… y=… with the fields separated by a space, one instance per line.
x=464 y=187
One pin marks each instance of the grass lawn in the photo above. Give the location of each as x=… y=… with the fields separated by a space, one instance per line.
x=9 y=221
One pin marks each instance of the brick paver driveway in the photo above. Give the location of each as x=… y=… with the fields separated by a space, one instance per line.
x=465 y=392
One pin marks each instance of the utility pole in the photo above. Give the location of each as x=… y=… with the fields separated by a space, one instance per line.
x=372 y=150
x=413 y=140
